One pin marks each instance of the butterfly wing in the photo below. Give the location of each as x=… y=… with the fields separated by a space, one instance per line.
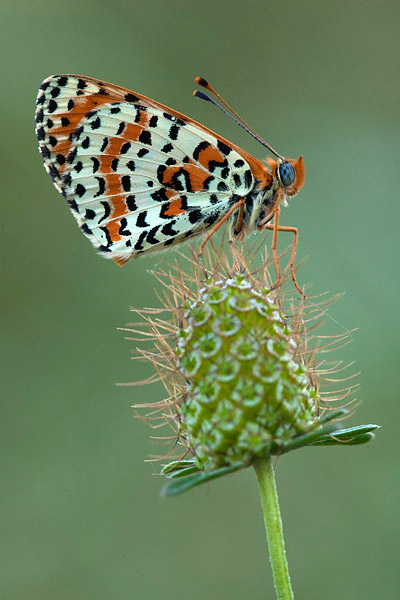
x=137 y=175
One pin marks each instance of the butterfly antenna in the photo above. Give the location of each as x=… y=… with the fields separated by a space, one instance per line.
x=238 y=120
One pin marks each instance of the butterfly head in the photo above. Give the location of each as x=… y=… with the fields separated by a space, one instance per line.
x=290 y=173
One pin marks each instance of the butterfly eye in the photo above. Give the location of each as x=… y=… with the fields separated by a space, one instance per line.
x=287 y=174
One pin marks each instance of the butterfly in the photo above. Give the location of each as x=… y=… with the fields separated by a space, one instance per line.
x=139 y=176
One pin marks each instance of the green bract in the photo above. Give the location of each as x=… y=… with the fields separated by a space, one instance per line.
x=247 y=391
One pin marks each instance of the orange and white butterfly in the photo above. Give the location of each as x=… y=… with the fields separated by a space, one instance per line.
x=139 y=176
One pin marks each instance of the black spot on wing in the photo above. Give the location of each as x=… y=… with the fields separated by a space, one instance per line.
x=102 y=187
x=141 y=219
x=173 y=132
x=145 y=137
x=121 y=127
x=104 y=144
x=90 y=113
x=125 y=147
x=96 y=163
x=131 y=97
x=139 y=244
x=76 y=134
x=223 y=148
x=40 y=134
x=150 y=238
x=225 y=172
x=213 y=164
x=55 y=92
x=123 y=230
x=72 y=155
x=73 y=205
x=103 y=249
x=248 y=178
x=199 y=148
x=131 y=202
x=45 y=152
x=167 y=229
x=159 y=195
x=108 y=237
x=174 y=119
x=214 y=199
x=54 y=174
x=107 y=210
x=52 y=106
x=195 y=216
x=80 y=190
x=206 y=182
x=126 y=183
x=237 y=180
x=167 y=148
x=45 y=85
x=86 y=229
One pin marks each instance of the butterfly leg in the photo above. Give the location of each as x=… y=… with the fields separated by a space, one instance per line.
x=275 y=228
x=221 y=221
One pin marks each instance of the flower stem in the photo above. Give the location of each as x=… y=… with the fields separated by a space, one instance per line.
x=273 y=526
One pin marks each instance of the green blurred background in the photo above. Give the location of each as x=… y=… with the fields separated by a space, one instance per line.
x=81 y=513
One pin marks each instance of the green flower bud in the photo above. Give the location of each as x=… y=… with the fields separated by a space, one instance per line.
x=247 y=392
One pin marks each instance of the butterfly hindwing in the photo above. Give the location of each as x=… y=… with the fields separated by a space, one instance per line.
x=137 y=175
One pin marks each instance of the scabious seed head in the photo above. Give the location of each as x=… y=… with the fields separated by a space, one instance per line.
x=247 y=392
x=237 y=357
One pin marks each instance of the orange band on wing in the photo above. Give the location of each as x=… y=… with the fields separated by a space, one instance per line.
x=209 y=155
x=175 y=208
x=81 y=106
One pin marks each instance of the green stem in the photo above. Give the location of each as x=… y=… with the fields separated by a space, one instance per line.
x=273 y=526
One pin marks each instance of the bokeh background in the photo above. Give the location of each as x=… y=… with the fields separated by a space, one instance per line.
x=80 y=509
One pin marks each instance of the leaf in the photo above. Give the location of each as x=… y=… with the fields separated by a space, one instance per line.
x=183 y=484
x=178 y=467
x=353 y=436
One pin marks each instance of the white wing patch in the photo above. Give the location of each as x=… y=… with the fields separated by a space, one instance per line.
x=136 y=177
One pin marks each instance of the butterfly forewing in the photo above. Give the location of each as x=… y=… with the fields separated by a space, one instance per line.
x=137 y=175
